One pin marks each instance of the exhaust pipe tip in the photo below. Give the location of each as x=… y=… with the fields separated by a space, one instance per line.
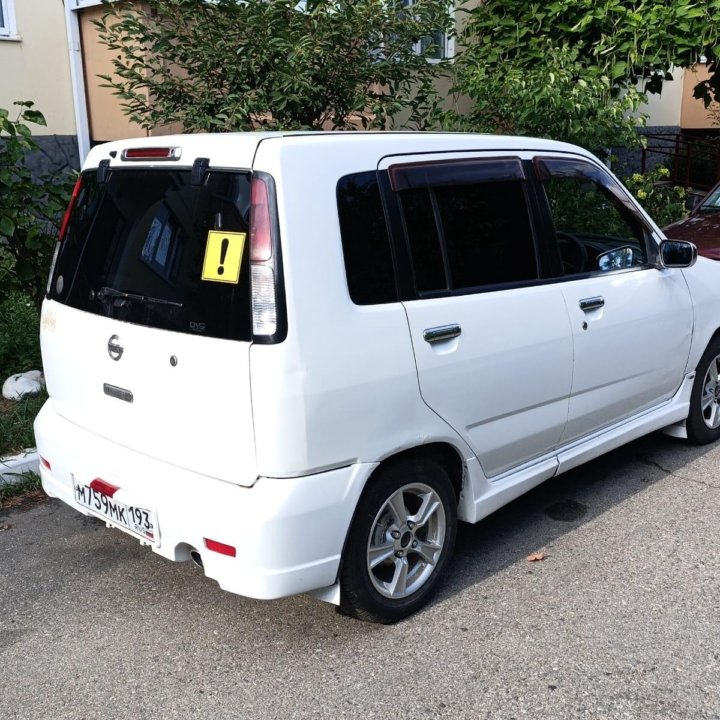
x=197 y=559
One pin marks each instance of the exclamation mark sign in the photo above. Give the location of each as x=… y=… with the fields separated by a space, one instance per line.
x=223 y=252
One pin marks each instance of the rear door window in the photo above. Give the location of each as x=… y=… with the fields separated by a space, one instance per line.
x=467 y=224
x=136 y=246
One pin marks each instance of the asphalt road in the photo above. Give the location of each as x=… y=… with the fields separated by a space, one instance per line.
x=621 y=619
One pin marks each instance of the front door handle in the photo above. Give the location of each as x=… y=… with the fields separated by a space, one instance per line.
x=592 y=303
x=442 y=332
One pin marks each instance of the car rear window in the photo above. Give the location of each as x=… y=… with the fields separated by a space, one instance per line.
x=138 y=249
x=366 y=246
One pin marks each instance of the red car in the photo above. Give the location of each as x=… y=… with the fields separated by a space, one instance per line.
x=702 y=227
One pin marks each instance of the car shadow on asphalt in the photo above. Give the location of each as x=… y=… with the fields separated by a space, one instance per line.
x=98 y=562
x=562 y=504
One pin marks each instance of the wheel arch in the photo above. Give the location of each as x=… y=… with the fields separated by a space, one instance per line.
x=714 y=336
x=445 y=454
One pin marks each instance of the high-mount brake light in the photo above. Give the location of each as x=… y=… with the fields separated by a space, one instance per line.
x=262 y=268
x=66 y=217
x=151 y=153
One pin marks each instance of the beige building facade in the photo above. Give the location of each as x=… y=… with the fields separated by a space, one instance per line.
x=54 y=57
x=676 y=107
x=34 y=58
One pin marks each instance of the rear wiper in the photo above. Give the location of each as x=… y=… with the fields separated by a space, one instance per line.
x=108 y=292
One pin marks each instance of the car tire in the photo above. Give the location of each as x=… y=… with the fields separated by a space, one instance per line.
x=400 y=540
x=703 y=422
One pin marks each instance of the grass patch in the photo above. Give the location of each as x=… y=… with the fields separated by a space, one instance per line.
x=26 y=487
x=19 y=336
x=16 y=423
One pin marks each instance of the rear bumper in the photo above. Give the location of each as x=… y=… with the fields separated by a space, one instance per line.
x=289 y=533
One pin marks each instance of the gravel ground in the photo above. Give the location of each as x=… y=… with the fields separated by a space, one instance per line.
x=620 y=620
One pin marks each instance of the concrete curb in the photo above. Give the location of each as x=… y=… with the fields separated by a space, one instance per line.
x=12 y=467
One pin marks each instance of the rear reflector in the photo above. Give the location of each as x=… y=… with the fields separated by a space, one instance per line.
x=66 y=217
x=219 y=547
x=45 y=463
x=103 y=487
x=151 y=153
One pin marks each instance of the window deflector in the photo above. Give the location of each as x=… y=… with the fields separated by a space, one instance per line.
x=459 y=171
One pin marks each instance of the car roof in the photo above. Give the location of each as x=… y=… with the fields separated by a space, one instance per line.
x=238 y=149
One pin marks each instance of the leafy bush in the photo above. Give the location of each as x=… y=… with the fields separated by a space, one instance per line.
x=228 y=65
x=664 y=202
x=16 y=423
x=626 y=40
x=559 y=98
x=19 y=335
x=30 y=208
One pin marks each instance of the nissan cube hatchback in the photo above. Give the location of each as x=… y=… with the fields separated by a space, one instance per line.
x=301 y=359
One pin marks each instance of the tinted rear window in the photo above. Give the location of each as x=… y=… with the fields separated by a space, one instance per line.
x=136 y=247
x=474 y=236
x=366 y=246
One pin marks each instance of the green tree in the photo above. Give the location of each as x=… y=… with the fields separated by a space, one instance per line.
x=31 y=208
x=228 y=65
x=626 y=40
x=560 y=98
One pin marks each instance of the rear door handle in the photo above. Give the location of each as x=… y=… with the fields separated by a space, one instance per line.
x=592 y=303
x=442 y=332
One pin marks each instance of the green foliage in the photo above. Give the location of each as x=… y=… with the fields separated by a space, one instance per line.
x=30 y=208
x=559 y=98
x=663 y=201
x=16 y=423
x=19 y=335
x=228 y=65
x=625 y=40
x=25 y=483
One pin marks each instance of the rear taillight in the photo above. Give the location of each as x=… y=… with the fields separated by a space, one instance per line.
x=262 y=262
x=63 y=229
x=66 y=217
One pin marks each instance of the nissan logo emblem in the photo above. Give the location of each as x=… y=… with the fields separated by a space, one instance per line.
x=115 y=349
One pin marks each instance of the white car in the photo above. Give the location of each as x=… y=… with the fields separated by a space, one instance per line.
x=300 y=359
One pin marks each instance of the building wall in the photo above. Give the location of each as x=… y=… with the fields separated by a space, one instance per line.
x=105 y=114
x=663 y=110
x=694 y=114
x=36 y=66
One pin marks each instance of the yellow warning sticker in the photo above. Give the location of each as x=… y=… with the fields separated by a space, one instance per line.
x=223 y=255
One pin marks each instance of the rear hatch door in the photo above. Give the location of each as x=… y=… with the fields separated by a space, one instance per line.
x=147 y=326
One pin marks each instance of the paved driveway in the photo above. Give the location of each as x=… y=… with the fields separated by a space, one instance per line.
x=621 y=620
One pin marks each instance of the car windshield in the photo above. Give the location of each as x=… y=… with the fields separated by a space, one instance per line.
x=712 y=201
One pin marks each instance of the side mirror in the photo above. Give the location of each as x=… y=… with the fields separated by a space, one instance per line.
x=617 y=259
x=692 y=201
x=677 y=254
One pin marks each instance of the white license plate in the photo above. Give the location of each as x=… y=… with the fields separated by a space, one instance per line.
x=138 y=521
